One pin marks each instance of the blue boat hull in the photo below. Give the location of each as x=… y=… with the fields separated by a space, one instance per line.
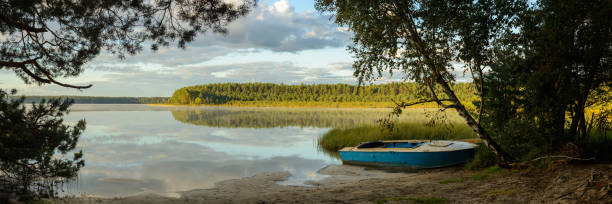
x=408 y=159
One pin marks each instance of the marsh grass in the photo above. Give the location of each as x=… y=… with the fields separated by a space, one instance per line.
x=338 y=138
x=417 y=123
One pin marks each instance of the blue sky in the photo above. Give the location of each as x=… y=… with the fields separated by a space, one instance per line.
x=282 y=41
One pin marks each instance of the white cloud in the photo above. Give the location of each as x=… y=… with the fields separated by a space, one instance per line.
x=277 y=27
x=287 y=39
x=139 y=82
x=281 y=6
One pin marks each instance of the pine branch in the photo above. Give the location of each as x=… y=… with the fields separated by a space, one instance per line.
x=48 y=78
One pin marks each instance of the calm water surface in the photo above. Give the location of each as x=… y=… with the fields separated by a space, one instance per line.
x=134 y=149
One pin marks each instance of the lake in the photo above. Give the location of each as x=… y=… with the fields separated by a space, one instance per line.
x=136 y=149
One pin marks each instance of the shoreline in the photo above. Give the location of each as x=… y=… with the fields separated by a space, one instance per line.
x=287 y=105
x=576 y=183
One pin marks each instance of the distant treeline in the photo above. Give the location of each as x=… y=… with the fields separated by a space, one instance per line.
x=242 y=93
x=103 y=99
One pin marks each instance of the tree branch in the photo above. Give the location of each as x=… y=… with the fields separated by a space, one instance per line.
x=564 y=157
x=46 y=73
x=404 y=104
x=48 y=80
x=21 y=26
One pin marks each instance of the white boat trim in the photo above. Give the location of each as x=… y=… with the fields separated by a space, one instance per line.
x=429 y=146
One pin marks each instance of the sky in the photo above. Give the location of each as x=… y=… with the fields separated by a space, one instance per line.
x=280 y=41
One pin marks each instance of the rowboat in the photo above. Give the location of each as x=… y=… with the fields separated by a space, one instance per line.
x=409 y=153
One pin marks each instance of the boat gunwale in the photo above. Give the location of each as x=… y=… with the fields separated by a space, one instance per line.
x=419 y=149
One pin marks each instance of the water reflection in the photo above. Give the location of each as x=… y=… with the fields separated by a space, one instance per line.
x=133 y=149
x=277 y=117
x=169 y=177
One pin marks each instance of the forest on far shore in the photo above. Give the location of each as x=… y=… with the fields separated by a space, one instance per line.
x=312 y=94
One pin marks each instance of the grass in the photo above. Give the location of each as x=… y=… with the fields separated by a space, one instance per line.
x=338 y=138
x=486 y=173
x=423 y=200
x=482 y=159
x=459 y=180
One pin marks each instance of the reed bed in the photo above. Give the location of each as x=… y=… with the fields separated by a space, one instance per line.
x=338 y=138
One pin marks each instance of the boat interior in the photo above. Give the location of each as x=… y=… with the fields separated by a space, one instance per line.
x=381 y=144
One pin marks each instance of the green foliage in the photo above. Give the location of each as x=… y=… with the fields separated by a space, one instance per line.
x=482 y=159
x=418 y=38
x=268 y=93
x=486 y=173
x=338 y=138
x=546 y=76
x=43 y=40
x=30 y=138
x=423 y=40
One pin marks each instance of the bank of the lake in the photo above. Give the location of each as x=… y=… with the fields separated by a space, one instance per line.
x=300 y=104
x=135 y=149
x=200 y=154
x=562 y=183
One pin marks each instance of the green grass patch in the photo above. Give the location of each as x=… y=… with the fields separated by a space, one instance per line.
x=338 y=138
x=420 y=200
x=484 y=174
x=459 y=180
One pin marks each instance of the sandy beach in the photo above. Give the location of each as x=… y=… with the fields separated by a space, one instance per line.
x=354 y=184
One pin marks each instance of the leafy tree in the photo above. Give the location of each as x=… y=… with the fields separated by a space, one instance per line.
x=44 y=40
x=547 y=75
x=537 y=66
x=421 y=39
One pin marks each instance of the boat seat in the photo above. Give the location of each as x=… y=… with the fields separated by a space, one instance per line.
x=440 y=143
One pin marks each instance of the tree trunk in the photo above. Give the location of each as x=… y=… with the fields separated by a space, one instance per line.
x=578 y=117
x=415 y=36
x=480 y=131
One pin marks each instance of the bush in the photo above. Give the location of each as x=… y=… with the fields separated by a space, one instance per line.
x=482 y=159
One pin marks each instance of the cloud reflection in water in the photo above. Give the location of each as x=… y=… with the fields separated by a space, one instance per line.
x=142 y=149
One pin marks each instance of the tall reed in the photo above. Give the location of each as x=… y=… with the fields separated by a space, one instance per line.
x=338 y=138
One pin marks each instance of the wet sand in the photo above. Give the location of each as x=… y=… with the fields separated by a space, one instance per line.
x=354 y=184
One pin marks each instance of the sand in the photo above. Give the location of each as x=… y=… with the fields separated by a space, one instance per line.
x=576 y=183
